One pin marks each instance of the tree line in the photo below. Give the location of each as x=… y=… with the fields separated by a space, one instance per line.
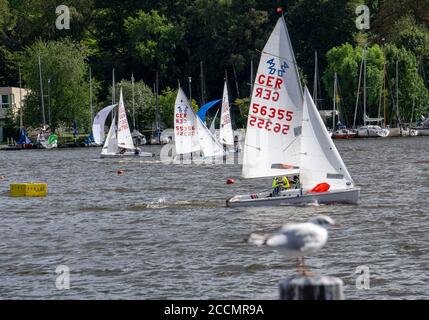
x=187 y=38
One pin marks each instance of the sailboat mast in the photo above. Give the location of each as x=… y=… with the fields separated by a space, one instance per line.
x=397 y=95
x=293 y=58
x=384 y=90
x=41 y=95
x=364 y=89
x=134 y=107
x=113 y=93
x=202 y=83
x=21 y=122
x=315 y=79
x=90 y=96
x=335 y=101
x=158 y=134
x=358 y=90
x=251 y=76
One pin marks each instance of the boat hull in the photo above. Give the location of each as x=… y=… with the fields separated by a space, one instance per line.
x=374 y=133
x=295 y=197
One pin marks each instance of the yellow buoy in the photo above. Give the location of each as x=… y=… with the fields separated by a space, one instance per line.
x=28 y=189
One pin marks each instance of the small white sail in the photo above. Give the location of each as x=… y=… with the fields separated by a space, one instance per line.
x=272 y=145
x=98 y=124
x=320 y=160
x=208 y=143
x=226 y=135
x=111 y=143
x=125 y=139
x=185 y=126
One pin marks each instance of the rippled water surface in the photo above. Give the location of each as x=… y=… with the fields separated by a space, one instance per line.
x=161 y=231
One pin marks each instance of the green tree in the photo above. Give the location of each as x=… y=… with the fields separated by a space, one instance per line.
x=63 y=63
x=407 y=33
x=411 y=86
x=153 y=39
x=144 y=103
x=345 y=60
x=243 y=108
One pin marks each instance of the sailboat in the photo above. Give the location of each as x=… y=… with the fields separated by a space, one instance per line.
x=226 y=134
x=286 y=135
x=119 y=142
x=368 y=129
x=44 y=139
x=342 y=132
x=190 y=132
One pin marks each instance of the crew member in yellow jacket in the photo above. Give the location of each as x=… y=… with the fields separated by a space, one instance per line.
x=279 y=184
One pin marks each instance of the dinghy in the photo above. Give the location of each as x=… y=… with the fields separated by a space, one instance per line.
x=119 y=142
x=190 y=132
x=226 y=135
x=286 y=136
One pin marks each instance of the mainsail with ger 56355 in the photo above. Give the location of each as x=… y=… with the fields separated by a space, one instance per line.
x=286 y=136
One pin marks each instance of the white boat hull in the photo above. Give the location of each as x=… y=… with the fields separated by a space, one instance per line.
x=295 y=197
x=372 y=132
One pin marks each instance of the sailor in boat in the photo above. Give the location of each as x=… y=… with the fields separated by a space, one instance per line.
x=137 y=151
x=296 y=183
x=279 y=184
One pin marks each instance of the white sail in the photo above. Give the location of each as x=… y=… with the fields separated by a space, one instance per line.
x=208 y=143
x=320 y=160
x=111 y=143
x=226 y=135
x=98 y=124
x=185 y=126
x=125 y=139
x=272 y=145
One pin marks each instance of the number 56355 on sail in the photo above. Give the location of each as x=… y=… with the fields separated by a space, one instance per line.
x=268 y=125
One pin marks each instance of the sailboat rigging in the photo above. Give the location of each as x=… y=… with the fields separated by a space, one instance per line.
x=287 y=137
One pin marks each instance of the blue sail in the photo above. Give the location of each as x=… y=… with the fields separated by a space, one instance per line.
x=23 y=139
x=203 y=110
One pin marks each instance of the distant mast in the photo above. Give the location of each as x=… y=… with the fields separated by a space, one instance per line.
x=113 y=86
x=335 y=102
x=158 y=134
x=203 y=100
x=364 y=89
x=397 y=95
x=21 y=122
x=358 y=89
x=315 y=80
x=41 y=95
x=134 y=107
x=90 y=96
x=251 y=76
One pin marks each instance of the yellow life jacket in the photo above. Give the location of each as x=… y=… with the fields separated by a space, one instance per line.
x=284 y=182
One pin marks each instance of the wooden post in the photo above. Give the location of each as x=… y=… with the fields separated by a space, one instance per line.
x=311 y=288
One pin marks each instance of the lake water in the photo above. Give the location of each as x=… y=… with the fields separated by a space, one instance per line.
x=163 y=231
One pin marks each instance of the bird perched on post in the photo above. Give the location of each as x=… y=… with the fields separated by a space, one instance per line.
x=297 y=239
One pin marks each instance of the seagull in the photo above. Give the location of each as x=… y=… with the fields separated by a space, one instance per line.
x=298 y=239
